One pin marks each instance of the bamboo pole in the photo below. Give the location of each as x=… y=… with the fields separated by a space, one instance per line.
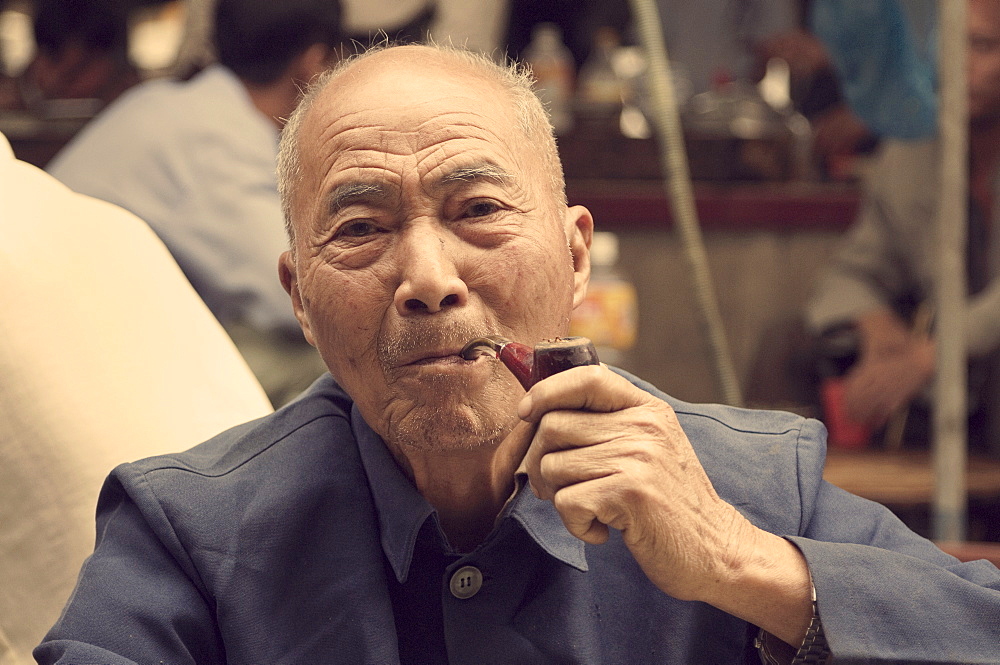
x=666 y=120
x=950 y=388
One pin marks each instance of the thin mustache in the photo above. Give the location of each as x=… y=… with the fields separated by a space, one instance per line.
x=419 y=337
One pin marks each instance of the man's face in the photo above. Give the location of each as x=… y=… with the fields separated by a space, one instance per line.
x=424 y=219
x=984 y=59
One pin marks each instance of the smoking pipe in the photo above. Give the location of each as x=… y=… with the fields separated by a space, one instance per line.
x=531 y=365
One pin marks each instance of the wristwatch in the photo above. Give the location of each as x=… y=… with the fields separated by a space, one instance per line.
x=813 y=650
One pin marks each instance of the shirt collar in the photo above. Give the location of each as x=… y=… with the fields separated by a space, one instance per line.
x=402 y=510
x=542 y=522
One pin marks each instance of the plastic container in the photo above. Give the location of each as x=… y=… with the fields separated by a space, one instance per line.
x=599 y=91
x=609 y=315
x=552 y=66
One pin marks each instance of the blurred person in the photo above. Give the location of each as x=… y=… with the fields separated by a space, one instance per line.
x=716 y=41
x=861 y=71
x=195 y=159
x=882 y=55
x=418 y=506
x=879 y=285
x=838 y=133
x=81 y=54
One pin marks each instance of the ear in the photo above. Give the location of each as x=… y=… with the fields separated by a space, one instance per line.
x=311 y=62
x=290 y=280
x=579 y=227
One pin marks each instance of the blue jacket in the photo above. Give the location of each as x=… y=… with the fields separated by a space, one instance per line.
x=289 y=539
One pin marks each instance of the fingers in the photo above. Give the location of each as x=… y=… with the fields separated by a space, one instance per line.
x=589 y=388
x=577 y=446
x=557 y=469
x=578 y=512
x=568 y=402
x=597 y=438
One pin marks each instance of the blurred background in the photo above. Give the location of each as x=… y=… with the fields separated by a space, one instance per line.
x=771 y=202
x=784 y=107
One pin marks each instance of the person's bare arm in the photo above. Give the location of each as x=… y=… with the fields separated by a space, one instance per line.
x=895 y=363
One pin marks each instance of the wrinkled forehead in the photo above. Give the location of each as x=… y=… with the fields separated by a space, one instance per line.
x=407 y=113
x=411 y=91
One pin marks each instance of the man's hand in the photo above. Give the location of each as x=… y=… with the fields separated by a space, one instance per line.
x=608 y=454
x=895 y=364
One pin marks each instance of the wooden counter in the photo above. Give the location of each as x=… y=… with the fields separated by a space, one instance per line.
x=905 y=478
x=621 y=181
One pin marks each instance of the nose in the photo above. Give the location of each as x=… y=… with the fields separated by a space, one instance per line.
x=429 y=278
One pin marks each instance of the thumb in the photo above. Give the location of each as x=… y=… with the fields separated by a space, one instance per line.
x=589 y=388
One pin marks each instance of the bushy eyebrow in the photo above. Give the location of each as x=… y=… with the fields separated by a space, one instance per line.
x=484 y=171
x=355 y=192
x=360 y=192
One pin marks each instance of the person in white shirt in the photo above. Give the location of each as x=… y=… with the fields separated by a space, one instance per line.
x=196 y=160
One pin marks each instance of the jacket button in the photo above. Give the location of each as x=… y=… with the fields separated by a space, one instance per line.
x=466 y=582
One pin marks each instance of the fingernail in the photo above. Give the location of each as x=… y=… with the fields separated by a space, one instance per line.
x=524 y=407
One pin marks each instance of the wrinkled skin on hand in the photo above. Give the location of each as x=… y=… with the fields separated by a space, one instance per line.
x=608 y=454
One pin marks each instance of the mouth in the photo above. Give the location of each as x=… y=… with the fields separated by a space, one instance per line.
x=442 y=357
x=425 y=346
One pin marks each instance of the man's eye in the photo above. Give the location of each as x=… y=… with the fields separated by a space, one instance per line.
x=482 y=209
x=356 y=229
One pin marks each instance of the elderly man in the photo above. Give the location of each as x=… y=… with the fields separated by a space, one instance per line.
x=418 y=507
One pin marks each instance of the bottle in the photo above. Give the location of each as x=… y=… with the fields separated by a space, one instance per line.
x=599 y=88
x=609 y=314
x=551 y=64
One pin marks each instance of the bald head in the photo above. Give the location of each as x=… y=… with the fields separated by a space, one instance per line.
x=402 y=69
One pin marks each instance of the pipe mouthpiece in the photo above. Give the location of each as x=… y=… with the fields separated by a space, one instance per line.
x=491 y=345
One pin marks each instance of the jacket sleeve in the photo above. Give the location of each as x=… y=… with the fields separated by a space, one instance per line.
x=885 y=594
x=982 y=322
x=138 y=598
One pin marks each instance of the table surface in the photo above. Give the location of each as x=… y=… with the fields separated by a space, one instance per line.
x=904 y=478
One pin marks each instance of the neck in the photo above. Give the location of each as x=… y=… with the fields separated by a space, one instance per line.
x=468 y=488
x=275 y=100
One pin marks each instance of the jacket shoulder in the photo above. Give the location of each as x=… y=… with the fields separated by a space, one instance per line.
x=768 y=464
x=326 y=406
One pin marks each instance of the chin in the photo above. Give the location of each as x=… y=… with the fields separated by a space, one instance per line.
x=450 y=429
x=444 y=420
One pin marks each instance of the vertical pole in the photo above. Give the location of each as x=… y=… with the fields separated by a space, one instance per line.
x=673 y=158
x=950 y=409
